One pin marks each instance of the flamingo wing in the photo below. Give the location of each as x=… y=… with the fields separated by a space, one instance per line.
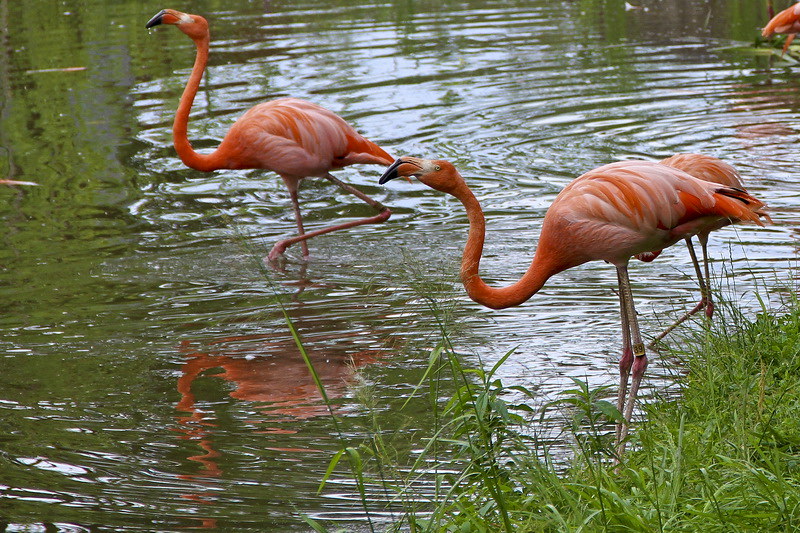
x=296 y=138
x=627 y=208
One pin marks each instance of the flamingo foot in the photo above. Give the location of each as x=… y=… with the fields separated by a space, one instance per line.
x=276 y=252
x=280 y=247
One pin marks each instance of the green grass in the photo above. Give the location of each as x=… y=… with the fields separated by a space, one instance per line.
x=720 y=454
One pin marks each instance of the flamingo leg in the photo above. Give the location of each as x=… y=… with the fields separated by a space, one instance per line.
x=705 y=288
x=788 y=41
x=292 y=185
x=299 y=219
x=625 y=361
x=382 y=216
x=639 y=364
x=703 y=238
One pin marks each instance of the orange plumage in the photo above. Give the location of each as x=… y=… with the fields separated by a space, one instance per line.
x=714 y=170
x=786 y=22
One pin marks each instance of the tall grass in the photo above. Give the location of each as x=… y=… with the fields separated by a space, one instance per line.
x=722 y=454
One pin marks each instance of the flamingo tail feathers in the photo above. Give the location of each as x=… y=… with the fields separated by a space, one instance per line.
x=730 y=202
x=364 y=151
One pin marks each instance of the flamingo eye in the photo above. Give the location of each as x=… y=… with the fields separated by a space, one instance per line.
x=437 y=167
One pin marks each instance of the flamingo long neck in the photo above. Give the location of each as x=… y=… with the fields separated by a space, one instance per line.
x=190 y=158
x=497 y=298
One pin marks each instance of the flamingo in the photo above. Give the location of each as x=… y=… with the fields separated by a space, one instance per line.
x=610 y=213
x=708 y=168
x=292 y=137
x=786 y=22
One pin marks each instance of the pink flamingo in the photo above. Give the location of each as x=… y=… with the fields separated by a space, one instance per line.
x=707 y=168
x=786 y=22
x=291 y=137
x=611 y=213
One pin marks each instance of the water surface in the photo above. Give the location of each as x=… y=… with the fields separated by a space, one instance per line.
x=150 y=380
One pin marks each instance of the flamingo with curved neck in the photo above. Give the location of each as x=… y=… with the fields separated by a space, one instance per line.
x=291 y=137
x=611 y=213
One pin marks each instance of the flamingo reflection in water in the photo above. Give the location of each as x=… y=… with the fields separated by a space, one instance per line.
x=266 y=369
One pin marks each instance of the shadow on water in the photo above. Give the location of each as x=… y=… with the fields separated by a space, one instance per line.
x=149 y=380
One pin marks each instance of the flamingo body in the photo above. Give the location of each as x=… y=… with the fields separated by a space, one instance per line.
x=610 y=213
x=786 y=22
x=707 y=168
x=294 y=138
x=622 y=209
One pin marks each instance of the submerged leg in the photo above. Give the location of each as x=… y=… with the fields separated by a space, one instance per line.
x=382 y=216
x=639 y=355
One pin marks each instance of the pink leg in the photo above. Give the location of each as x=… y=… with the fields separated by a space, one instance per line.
x=281 y=246
x=292 y=185
x=786 y=43
x=639 y=355
x=625 y=361
x=705 y=289
x=703 y=238
x=299 y=219
x=637 y=371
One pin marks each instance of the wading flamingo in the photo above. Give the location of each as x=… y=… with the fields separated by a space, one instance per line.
x=610 y=213
x=707 y=168
x=786 y=22
x=291 y=137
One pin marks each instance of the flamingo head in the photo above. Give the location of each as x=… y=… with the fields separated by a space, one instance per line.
x=436 y=174
x=194 y=26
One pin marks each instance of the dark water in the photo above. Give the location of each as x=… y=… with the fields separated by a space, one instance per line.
x=149 y=378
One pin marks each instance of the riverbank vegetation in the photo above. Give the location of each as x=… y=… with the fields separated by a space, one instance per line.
x=719 y=452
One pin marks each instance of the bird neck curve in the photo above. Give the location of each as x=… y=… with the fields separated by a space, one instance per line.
x=183 y=147
x=529 y=284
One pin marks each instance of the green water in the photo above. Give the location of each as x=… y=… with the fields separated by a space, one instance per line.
x=149 y=379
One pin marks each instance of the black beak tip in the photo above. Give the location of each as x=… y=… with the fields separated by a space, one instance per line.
x=387 y=176
x=156 y=20
x=391 y=172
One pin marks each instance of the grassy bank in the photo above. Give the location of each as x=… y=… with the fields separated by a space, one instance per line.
x=721 y=454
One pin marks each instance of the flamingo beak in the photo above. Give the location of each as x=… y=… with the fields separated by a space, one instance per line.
x=391 y=172
x=401 y=168
x=157 y=19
